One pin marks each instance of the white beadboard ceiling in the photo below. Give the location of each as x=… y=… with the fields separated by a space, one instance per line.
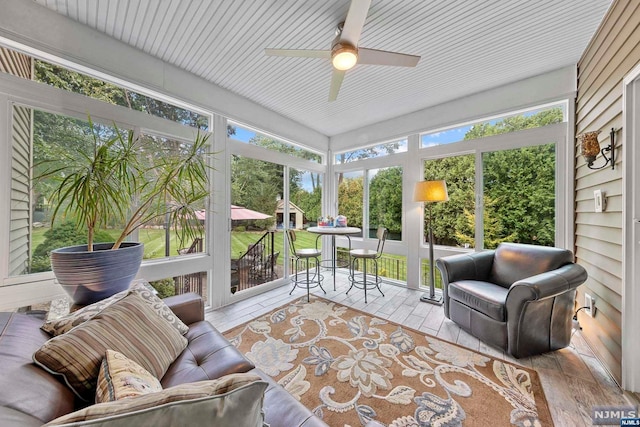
x=466 y=47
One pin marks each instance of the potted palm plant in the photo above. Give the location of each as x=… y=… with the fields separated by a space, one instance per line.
x=129 y=181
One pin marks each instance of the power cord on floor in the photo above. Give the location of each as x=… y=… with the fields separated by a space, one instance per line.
x=575 y=323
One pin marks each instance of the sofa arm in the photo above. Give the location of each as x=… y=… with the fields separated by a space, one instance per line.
x=473 y=266
x=188 y=307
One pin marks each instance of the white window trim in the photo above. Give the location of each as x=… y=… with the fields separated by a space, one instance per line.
x=35 y=288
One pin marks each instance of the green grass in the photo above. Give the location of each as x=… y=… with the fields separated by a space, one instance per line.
x=392 y=266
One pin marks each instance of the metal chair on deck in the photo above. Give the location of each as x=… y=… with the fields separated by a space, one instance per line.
x=308 y=280
x=362 y=280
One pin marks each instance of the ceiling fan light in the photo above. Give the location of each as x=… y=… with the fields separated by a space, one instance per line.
x=344 y=58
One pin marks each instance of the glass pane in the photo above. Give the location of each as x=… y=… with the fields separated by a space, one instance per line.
x=42 y=143
x=248 y=136
x=526 y=120
x=454 y=220
x=256 y=246
x=72 y=81
x=53 y=140
x=385 y=201
x=519 y=196
x=178 y=285
x=161 y=238
x=305 y=189
x=350 y=196
x=371 y=152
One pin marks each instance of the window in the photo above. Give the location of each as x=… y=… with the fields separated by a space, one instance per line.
x=385 y=201
x=379 y=150
x=453 y=221
x=538 y=117
x=243 y=134
x=350 y=197
x=519 y=195
x=76 y=82
x=257 y=219
x=55 y=141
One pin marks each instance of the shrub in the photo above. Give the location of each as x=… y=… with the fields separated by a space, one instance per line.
x=66 y=234
x=165 y=287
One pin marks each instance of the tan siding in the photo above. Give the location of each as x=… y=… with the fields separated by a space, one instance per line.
x=18 y=64
x=612 y=53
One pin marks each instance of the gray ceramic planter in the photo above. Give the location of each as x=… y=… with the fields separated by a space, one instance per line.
x=91 y=276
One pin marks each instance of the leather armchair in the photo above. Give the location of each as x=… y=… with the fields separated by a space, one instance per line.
x=518 y=297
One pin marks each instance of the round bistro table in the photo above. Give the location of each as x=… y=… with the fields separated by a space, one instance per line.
x=333 y=232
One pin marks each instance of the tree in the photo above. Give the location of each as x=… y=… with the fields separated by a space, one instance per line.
x=519 y=188
x=350 y=192
x=385 y=200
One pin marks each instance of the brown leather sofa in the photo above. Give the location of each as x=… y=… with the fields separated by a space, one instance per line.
x=29 y=396
x=518 y=297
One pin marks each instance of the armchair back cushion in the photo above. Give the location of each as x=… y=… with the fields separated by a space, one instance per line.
x=514 y=261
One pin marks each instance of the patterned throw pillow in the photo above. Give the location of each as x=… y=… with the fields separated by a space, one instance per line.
x=129 y=326
x=141 y=287
x=121 y=377
x=235 y=399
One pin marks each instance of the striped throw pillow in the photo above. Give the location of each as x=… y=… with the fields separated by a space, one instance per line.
x=129 y=326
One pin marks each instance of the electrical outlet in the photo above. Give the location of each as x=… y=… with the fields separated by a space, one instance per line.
x=590 y=304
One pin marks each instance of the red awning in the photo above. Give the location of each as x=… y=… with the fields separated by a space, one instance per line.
x=238 y=213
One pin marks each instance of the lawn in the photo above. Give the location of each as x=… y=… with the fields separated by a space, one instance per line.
x=393 y=266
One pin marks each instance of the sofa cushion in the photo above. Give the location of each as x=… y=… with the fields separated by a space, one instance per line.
x=24 y=387
x=208 y=356
x=65 y=323
x=233 y=400
x=517 y=261
x=121 y=377
x=484 y=297
x=129 y=326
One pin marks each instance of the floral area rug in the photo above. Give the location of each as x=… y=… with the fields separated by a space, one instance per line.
x=349 y=367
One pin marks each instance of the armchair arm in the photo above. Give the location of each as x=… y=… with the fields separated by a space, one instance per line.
x=546 y=285
x=473 y=266
x=539 y=310
x=188 y=307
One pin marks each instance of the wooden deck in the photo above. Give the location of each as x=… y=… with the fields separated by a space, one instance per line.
x=572 y=378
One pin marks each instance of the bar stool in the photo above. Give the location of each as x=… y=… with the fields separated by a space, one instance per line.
x=361 y=280
x=309 y=281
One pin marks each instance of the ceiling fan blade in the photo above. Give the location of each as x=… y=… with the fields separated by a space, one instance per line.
x=354 y=22
x=336 y=82
x=382 y=57
x=299 y=53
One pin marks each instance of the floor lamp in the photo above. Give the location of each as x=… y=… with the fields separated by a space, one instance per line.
x=431 y=192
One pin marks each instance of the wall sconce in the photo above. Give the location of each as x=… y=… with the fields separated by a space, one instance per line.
x=590 y=148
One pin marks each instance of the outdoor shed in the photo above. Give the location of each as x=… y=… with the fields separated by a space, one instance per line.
x=296 y=215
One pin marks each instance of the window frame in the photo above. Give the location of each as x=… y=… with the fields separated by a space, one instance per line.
x=38 y=287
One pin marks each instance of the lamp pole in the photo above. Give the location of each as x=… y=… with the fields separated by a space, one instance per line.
x=431 y=298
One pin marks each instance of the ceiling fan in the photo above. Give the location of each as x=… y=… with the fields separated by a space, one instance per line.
x=345 y=52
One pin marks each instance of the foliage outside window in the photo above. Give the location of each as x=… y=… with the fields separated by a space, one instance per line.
x=92 y=87
x=249 y=136
x=372 y=152
x=350 y=197
x=385 y=201
x=56 y=140
x=453 y=223
x=527 y=120
x=518 y=192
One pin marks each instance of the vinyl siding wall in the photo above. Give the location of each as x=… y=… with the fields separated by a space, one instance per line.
x=20 y=65
x=611 y=54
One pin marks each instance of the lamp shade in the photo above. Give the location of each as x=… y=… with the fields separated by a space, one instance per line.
x=431 y=191
x=589 y=146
